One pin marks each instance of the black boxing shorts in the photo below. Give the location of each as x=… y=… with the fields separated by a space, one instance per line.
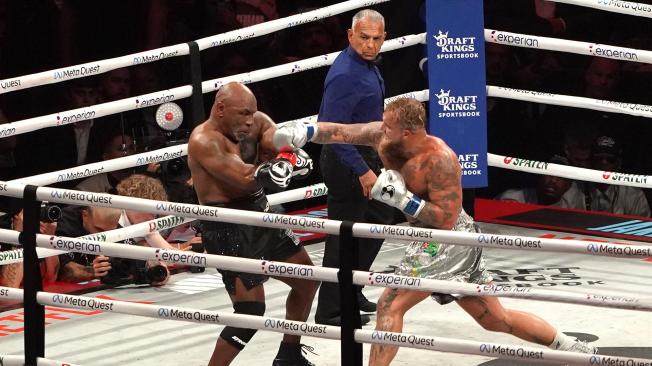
x=247 y=241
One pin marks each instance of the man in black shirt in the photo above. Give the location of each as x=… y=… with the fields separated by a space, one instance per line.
x=79 y=221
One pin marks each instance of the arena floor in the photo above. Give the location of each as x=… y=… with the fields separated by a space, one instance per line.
x=110 y=339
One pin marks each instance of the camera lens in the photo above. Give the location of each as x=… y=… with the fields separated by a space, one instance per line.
x=50 y=213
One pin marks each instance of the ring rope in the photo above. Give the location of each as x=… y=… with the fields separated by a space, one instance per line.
x=160 y=97
x=327 y=226
x=577 y=47
x=633 y=109
x=614 y=6
x=316 y=273
x=88 y=170
x=565 y=171
x=506 y=351
x=102 y=66
x=13 y=360
x=326 y=274
x=167 y=222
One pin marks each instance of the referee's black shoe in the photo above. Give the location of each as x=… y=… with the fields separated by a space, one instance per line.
x=365 y=305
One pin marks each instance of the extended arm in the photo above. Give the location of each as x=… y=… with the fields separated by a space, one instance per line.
x=295 y=134
x=357 y=134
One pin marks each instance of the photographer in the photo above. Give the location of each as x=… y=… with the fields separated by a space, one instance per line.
x=78 y=221
x=143 y=186
x=11 y=275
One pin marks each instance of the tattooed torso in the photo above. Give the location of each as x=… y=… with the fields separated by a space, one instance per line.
x=433 y=174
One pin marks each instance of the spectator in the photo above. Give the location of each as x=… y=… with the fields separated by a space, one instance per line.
x=143 y=186
x=11 y=275
x=66 y=146
x=623 y=200
x=550 y=190
x=117 y=145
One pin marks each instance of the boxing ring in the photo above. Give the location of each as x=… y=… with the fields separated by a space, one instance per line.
x=156 y=306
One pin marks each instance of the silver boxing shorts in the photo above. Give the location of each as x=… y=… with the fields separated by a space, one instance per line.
x=446 y=262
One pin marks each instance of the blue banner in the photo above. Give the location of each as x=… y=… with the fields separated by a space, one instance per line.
x=456 y=77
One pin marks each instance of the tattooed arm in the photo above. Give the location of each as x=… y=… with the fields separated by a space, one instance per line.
x=358 y=134
x=442 y=175
x=11 y=275
x=75 y=272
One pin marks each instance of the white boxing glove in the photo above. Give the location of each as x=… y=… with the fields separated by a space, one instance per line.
x=293 y=135
x=390 y=189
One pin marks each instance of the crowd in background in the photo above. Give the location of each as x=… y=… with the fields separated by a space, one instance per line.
x=40 y=35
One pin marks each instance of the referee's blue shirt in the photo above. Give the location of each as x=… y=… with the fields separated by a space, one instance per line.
x=353 y=93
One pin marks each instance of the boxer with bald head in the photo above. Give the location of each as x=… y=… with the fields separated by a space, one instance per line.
x=229 y=158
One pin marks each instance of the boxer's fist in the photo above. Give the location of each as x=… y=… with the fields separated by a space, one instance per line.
x=274 y=175
x=293 y=135
x=390 y=188
x=303 y=166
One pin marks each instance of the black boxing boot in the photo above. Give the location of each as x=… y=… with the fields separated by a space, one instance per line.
x=290 y=354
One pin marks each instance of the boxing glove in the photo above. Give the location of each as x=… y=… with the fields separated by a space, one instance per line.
x=390 y=189
x=293 y=135
x=303 y=166
x=275 y=175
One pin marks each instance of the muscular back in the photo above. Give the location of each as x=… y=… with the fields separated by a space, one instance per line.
x=222 y=169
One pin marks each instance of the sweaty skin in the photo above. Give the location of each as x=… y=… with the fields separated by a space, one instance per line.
x=223 y=151
x=431 y=171
x=428 y=165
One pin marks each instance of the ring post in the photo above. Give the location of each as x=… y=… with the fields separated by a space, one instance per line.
x=32 y=282
x=351 y=352
x=197 y=108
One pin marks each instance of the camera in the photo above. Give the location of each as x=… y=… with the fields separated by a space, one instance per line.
x=49 y=213
x=125 y=271
x=175 y=169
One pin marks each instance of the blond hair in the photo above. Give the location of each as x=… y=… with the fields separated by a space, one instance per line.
x=410 y=112
x=142 y=186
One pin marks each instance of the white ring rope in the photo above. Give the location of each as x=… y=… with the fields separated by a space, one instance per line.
x=102 y=66
x=13 y=360
x=89 y=170
x=505 y=351
x=326 y=226
x=167 y=222
x=633 y=109
x=326 y=274
x=160 y=97
x=614 y=6
x=556 y=44
x=565 y=171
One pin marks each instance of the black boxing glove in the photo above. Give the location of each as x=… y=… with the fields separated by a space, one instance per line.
x=275 y=175
x=303 y=166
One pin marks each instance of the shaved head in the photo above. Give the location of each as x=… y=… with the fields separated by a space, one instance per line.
x=234 y=91
x=233 y=110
